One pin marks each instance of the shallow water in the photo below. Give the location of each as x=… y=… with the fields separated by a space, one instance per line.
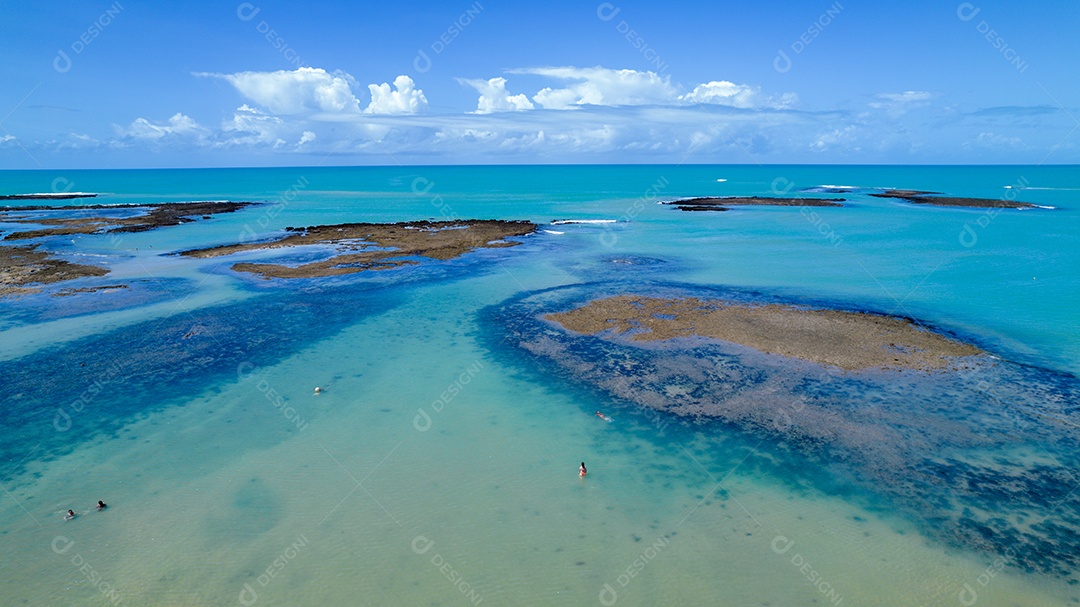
x=438 y=466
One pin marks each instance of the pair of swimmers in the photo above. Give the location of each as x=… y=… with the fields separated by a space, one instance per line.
x=583 y=470
x=71 y=513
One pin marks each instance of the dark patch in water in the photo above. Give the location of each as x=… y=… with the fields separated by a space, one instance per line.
x=45 y=306
x=967 y=454
x=255 y=509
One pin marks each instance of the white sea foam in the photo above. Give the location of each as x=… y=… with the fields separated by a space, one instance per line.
x=832 y=189
x=559 y=222
x=553 y=232
x=57 y=195
x=721 y=180
x=1028 y=187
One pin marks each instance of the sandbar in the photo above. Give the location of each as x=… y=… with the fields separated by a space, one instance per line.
x=852 y=341
x=376 y=246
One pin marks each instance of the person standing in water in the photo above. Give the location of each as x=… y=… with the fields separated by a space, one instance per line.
x=582 y=470
x=102 y=505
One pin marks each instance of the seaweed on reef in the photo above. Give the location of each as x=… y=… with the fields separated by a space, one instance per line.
x=980 y=457
x=96 y=384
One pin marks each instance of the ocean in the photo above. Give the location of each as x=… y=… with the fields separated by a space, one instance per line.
x=438 y=463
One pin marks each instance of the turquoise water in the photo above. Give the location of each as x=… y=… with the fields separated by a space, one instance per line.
x=438 y=466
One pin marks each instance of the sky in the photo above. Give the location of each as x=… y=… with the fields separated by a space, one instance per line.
x=133 y=84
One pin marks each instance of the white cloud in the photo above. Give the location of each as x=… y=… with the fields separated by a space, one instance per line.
x=495 y=98
x=987 y=139
x=250 y=126
x=830 y=140
x=7 y=138
x=897 y=104
x=619 y=116
x=310 y=91
x=75 y=141
x=600 y=86
x=179 y=124
x=301 y=91
x=907 y=96
x=723 y=92
x=406 y=99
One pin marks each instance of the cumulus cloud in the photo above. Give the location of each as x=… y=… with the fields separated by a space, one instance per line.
x=495 y=98
x=250 y=126
x=600 y=86
x=405 y=99
x=304 y=90
x=723 y=92
x=616 y=116
x=179 y=124
x=310 y=90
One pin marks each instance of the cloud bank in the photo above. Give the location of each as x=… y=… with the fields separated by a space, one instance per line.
x=584 y=114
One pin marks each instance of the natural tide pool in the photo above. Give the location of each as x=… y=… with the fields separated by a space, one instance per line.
x=438 y=464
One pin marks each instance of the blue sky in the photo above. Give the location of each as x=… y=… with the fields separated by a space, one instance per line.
x=264 y=83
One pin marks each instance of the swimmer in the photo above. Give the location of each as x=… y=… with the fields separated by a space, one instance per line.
x=70 y=515
x=102 y=505
x=318 y=390
x=582 y=470
x=603 y=417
